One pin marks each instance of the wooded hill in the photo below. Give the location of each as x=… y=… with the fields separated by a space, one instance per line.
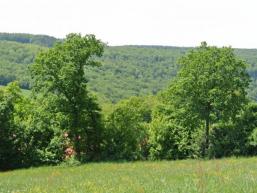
x=126 y=70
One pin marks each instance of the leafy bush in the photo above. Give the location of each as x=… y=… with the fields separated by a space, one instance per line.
x=237 y=137
x=126 y=135
x=169 y=140
x=9 y=133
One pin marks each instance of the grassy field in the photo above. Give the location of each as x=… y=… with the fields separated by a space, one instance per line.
x=221 y=176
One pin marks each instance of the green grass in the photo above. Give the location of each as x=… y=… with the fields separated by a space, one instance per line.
x=221 y=176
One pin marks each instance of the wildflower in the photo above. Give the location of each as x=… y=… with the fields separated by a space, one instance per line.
x=66 y=134
x=69 y=152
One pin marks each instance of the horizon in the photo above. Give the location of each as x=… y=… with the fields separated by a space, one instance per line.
x=140 y=45
x=179 y=23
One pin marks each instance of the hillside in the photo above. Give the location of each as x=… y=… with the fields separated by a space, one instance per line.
x=14 y=60
x=134 y=71
x=42 y=40
x=125 y=71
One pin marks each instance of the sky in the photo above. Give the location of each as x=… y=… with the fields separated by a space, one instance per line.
x=137 y=22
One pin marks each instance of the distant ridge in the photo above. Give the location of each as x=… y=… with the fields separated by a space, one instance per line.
x=42 y=40
x=129 y=70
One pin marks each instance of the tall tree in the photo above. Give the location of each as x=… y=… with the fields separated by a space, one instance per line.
x=210 y=86
x=59 y=72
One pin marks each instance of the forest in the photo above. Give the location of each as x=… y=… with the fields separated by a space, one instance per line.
x=142 y=70
x=91 y=102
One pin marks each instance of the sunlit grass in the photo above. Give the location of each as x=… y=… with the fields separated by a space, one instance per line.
x=226 y=175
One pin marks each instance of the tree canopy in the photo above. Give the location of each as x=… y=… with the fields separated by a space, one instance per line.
x=210 y=86
x=59 y=73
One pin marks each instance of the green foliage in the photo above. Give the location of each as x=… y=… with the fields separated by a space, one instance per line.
x=247 y=124
x=58 y=74
x=9 y=133
x=204 y=110
x=43 y=140
x=29 y=137
x=165 y=140
x=238 y=137
x=210 y=86
x=71 y=161
x=14 y=60
x=253 y=138
x=170 y=136
x=142 y=70
x=227 y=140
x=126 y=134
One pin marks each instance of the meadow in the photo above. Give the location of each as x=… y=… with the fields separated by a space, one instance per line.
x=186 y=176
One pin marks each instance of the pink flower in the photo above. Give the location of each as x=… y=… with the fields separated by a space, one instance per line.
x=69 y=152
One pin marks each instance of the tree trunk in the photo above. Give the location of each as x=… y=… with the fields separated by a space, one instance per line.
x=207 y=129
x=75 y=127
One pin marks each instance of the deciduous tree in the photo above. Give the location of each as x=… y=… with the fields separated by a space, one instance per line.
x=60 y=72
x=210 y=86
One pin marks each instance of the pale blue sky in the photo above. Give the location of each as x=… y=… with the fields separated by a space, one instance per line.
x=148 y=22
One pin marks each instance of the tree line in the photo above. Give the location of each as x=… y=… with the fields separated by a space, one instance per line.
x=142 y=70
x=204 y=113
